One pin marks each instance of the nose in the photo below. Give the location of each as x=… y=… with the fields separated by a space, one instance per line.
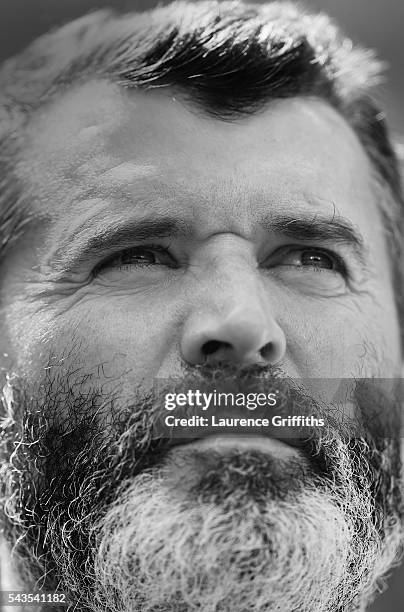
x=242 y=330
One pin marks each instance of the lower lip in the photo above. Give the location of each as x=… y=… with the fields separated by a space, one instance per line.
x=243 y=443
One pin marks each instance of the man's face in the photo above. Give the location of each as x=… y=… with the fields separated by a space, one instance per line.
x=163 y=241
x=102 y=163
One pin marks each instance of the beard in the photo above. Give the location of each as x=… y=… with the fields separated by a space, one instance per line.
x=95 y=506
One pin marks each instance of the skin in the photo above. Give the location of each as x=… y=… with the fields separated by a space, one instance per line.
x=101 y=156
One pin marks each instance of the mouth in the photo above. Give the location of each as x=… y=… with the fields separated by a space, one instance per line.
x=284 y=449
x=222 y=443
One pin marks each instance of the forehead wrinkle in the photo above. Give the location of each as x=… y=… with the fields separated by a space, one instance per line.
x=126 y=172
x=113 y=203
x=131 y=181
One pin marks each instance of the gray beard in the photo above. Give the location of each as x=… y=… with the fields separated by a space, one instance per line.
x=191 y=530
x=165 y=546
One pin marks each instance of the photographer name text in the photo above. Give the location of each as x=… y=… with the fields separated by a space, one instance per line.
x=215 y=421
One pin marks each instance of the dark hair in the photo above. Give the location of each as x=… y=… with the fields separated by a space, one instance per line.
x=229 y=58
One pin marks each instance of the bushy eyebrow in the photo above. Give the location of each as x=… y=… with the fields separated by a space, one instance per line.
x=318 y=228
x=95 y=240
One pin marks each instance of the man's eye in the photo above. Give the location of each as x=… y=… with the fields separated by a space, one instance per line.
x=318 y=259
x=314 y=258
x=139 y=256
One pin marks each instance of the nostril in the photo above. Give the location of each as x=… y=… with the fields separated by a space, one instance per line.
x=212 y=346
x=267 y=351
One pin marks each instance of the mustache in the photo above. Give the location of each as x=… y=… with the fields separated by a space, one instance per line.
x=66 y=422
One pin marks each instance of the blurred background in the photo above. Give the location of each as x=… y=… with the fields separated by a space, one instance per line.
x=374 y=23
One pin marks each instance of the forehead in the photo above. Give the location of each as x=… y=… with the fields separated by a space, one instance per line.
x=99 y=142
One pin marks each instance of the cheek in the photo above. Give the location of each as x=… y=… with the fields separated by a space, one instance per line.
x=113 y=343
x=321 y=348
x=119 y=344
x=342 y=340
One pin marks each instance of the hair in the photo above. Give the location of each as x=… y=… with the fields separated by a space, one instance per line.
x=228 y=58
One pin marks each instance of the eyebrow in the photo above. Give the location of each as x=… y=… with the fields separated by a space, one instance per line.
x=90 y=240
x=96 y=238
x=319 y=228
